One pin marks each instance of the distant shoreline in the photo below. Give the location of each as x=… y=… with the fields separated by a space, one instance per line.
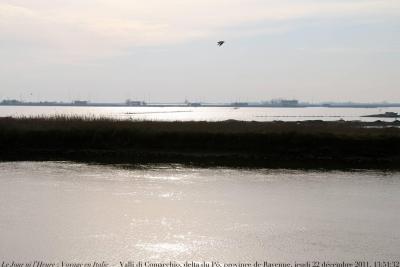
x=141 y=104
x=297 y=145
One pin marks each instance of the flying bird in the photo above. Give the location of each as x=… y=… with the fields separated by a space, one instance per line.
x=220 y=43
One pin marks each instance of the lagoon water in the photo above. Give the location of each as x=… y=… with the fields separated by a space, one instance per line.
x=67 y=211
x=201 y=113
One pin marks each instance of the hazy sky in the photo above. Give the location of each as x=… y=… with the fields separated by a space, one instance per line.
x=165 y=50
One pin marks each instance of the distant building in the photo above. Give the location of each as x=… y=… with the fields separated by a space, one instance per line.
x=240 y=104
x=135 y=103
x=285 y=103
x=80 y=103
x=289 y=103
x=11 y=102
x=194 y=104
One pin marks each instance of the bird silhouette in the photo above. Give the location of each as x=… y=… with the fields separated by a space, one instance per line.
x=220 y=43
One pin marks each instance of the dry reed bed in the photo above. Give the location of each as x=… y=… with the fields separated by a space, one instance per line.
x=313 y=144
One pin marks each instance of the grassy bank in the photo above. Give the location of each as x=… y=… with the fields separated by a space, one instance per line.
x=311 y=144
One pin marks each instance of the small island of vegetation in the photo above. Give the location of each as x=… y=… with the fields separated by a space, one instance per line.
x=384 y=115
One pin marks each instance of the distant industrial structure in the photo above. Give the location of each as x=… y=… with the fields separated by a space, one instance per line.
x=240 y=104
x=134 y=103
x=80 y=103
x=285 y=103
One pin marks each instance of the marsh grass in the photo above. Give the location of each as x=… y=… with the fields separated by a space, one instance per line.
x=231 y=143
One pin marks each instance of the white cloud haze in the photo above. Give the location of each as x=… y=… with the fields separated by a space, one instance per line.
x=58 y=36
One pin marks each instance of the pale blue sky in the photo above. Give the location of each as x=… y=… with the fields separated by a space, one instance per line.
x=157 y=50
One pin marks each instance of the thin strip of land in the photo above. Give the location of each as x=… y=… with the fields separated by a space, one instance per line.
x=308 y=144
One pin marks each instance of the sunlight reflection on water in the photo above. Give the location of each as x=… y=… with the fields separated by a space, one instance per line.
x=61 y=210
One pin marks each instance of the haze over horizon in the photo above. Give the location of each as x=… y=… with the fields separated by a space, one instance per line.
x=109 y=51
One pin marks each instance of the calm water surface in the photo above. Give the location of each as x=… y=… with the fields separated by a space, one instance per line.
x=203 y=113
x=65 y=211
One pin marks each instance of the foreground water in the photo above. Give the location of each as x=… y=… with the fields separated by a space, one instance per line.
x=64 y=211
x=202 y=113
